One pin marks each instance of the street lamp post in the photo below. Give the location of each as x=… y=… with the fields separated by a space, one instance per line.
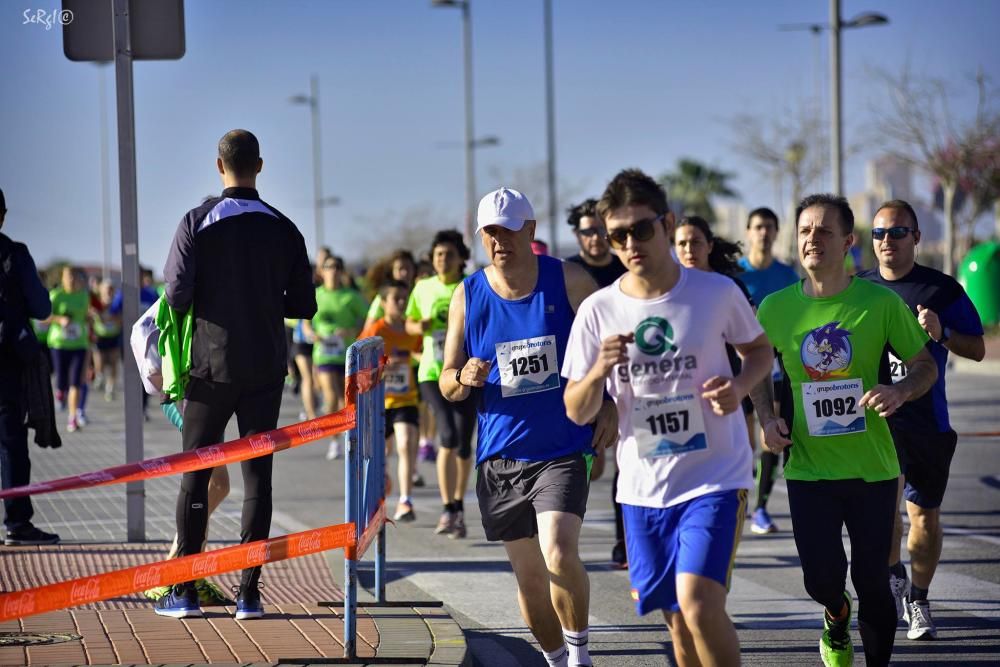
x=312 y=100
x=836 y=138
x=550 y=128
x=836 y=122
x=470 y=165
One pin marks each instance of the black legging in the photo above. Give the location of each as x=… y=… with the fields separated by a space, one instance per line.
x=209 y=408
x=819 y=512
x=455 y=421
x=767 y=471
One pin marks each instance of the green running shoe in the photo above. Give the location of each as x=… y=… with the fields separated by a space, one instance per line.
x=835 y=646
x=156 y=593
x=210 y=595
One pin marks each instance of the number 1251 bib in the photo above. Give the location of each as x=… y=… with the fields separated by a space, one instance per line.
x=834 y=407
x=528 y=366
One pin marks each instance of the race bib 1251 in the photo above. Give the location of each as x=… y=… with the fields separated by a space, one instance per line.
x=528 y=366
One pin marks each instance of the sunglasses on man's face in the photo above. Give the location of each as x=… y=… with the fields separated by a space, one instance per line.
x=333 y=267
x=590 y=231
x=895 y=233
x=642 y=230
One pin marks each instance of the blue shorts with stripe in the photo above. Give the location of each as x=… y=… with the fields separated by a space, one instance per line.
x=699 y=537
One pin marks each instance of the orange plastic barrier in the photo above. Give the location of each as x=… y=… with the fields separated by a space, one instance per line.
x=249 y=447
x=355 y=552
x=164 y=573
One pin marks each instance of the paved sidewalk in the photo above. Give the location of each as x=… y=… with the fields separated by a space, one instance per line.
x=304 y=602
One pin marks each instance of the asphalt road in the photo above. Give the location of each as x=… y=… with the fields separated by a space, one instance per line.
x=777 y=623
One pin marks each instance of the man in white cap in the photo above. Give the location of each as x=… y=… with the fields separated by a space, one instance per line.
x=507 y=330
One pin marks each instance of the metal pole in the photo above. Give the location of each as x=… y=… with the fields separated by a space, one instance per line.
x=377 y=428
x=550 y=128
x=317 y=159
x=470 y=164
x=352 y=514
x=105 y=186
x=836 y=143
x=135 y=491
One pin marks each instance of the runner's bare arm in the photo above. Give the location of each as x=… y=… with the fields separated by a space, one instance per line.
x=455 y=359
x=579 y=284
x=416 y=327
x=583 y=398
x=964 y=345
x=921 y=374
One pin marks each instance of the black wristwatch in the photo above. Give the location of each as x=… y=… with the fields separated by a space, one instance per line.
x=458 y=377
x=945 y=335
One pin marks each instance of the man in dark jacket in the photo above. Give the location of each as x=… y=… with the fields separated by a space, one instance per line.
x=22 y=296
x=242 y=266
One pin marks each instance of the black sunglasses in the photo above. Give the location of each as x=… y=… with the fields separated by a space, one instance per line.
x=642 y=230
x=878 y=233
x=588 y=232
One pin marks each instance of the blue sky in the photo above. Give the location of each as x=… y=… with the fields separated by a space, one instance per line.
x=638 y=83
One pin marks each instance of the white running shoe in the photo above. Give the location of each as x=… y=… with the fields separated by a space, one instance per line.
x=899 y=587
x=918 y=615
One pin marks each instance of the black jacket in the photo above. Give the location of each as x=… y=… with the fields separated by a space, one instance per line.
x=22 y=296
x=244 y=267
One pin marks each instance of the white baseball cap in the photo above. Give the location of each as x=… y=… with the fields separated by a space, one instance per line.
x=505 y=207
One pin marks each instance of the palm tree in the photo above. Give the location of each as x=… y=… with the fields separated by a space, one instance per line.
x=692 y=186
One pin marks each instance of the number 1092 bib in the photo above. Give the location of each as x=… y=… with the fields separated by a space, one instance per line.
x=834 y=407
x=528 y=366
x=668 y=425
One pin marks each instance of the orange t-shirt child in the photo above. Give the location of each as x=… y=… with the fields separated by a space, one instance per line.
x=400 y=380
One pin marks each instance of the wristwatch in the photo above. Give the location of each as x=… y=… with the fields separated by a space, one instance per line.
x=945 y=335
x=458 y=377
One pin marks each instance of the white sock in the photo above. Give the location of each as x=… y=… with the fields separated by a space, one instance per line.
x=558 y=657
x=576 y=643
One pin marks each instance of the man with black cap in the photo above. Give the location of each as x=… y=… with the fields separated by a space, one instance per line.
x=22 y=296
x=507 y=330
x=242 y=266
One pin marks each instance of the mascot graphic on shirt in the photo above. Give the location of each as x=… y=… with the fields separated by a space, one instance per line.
x=826 y=352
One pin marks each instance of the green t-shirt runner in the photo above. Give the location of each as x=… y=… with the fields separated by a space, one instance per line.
x=74 y=305
x=430 y=300
x=336 y=309
x=831 y=348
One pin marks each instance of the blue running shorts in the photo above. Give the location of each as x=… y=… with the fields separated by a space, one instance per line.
x=699 y=537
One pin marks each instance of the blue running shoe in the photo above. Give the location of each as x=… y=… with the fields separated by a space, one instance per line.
x=180 y=602
x=248 y=603
x=761 y=523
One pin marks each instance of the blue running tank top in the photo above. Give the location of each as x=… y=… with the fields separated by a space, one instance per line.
x=521 y=412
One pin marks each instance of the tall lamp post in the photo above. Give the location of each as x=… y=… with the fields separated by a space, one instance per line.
x=836 y=124
x=550 y=128
x=836 y=140
x=312 y=101
x=470 y=165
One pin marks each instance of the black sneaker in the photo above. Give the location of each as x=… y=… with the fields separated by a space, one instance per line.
x=248 y=603
x=619 y=557
x=30 y=537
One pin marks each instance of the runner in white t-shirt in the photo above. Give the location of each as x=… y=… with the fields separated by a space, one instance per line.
x=655 y=340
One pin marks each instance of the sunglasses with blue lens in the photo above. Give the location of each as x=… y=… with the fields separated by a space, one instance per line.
x=896 y=233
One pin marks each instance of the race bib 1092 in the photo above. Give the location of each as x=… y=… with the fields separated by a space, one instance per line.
x=834 y=407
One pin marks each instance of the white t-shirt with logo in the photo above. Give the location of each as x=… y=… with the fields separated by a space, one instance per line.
x=672 y=447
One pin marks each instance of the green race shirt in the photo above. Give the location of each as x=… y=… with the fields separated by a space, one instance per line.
x=341 y=308
x=75 y=305
x=831 y=348
x=430 y=299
